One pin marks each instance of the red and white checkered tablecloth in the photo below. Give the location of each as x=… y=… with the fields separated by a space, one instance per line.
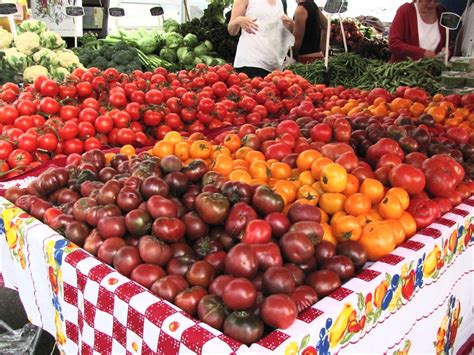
x=418 y=298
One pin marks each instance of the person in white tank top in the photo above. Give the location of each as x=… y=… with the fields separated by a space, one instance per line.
x=428 y=29
x=259 y=23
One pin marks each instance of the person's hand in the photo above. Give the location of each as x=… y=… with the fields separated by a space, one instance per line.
x=287 y=22
x=248 y=24
x=429 y=54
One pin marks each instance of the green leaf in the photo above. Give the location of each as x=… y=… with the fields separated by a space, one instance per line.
x=360 y=301
x=412 y=263
x=460 y=321
x=388 y=278
x=370 y=317
x=305 y=341
x=347 y=337
x=377 y=315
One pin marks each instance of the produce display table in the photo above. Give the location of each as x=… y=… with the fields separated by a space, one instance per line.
x=418 y=298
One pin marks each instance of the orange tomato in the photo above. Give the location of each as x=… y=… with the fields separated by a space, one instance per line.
x=306 y=178
x=328 y=236
x=400 y=104
x=402 y=196
x=306 y=158
x=438 y=113
x=173 y=137
x=196 y=136
x=377 y=239
x=408 y=223
x=109 y=157
x=254 y=155
x=280 y=171
x=397 y=230
x=258 y=170
x=372 y=216
x=346 y=228
x=318 y=165
x=438 y=98
x=241 y=164
x=223 y=164
x=181 y=150
x=417 y=109
x=337 y=215
x=162 y=148
x=379 y=100
x=331 y=202
x=317 y=187
x=358 y=204
x=232 y=142
x=217 y=150
x=390 y=207
x=448 y=106
x=240 y=175
x=324 y=216
x=128 y=150
x=306 y=191
x=287 y=188
x=374 y=189
x=379 y=111
x=352 y=185
x=200 y=149
x=333 y=178
x=241 y=153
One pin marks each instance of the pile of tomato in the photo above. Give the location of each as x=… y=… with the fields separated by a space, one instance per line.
x=298 y=187
x=95 y=109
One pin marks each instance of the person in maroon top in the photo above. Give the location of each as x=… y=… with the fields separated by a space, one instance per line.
x=415 y=32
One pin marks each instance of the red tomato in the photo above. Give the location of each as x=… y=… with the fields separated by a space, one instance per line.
x=19 y=158
x=49 y=88
x=408 y=177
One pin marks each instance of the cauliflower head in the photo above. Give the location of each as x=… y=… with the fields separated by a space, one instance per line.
x=27 y=43
x=52 y=40
x=32 y=26
x=6 y=38
x=15 y=60
x=59 y=73
x=67 y=59
x=46 y=57
x=31 y=73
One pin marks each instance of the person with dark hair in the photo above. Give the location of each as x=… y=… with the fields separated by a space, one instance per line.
x=310 y=31
x=415 y=32
x=264 y=35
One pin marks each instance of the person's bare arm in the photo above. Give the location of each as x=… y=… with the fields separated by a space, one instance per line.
x=323 y=23
x=239 y=21
x=300 y=24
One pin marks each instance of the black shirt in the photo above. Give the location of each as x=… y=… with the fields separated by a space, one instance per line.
x=312 y=32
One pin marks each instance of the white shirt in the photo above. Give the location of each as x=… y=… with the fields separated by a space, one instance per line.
x=265 y=49
x=468 y=31
x=428 y=33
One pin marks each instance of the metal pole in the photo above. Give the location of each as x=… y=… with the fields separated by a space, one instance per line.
x=446 y=55
x=343 y=33
x=328 y=35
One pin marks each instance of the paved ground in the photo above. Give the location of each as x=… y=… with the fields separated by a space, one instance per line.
x=12 y=313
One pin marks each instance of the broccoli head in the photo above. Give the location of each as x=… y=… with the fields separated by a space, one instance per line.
x=123 y=57
x=99 y=62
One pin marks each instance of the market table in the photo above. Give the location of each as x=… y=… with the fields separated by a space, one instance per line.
x=418 y=298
